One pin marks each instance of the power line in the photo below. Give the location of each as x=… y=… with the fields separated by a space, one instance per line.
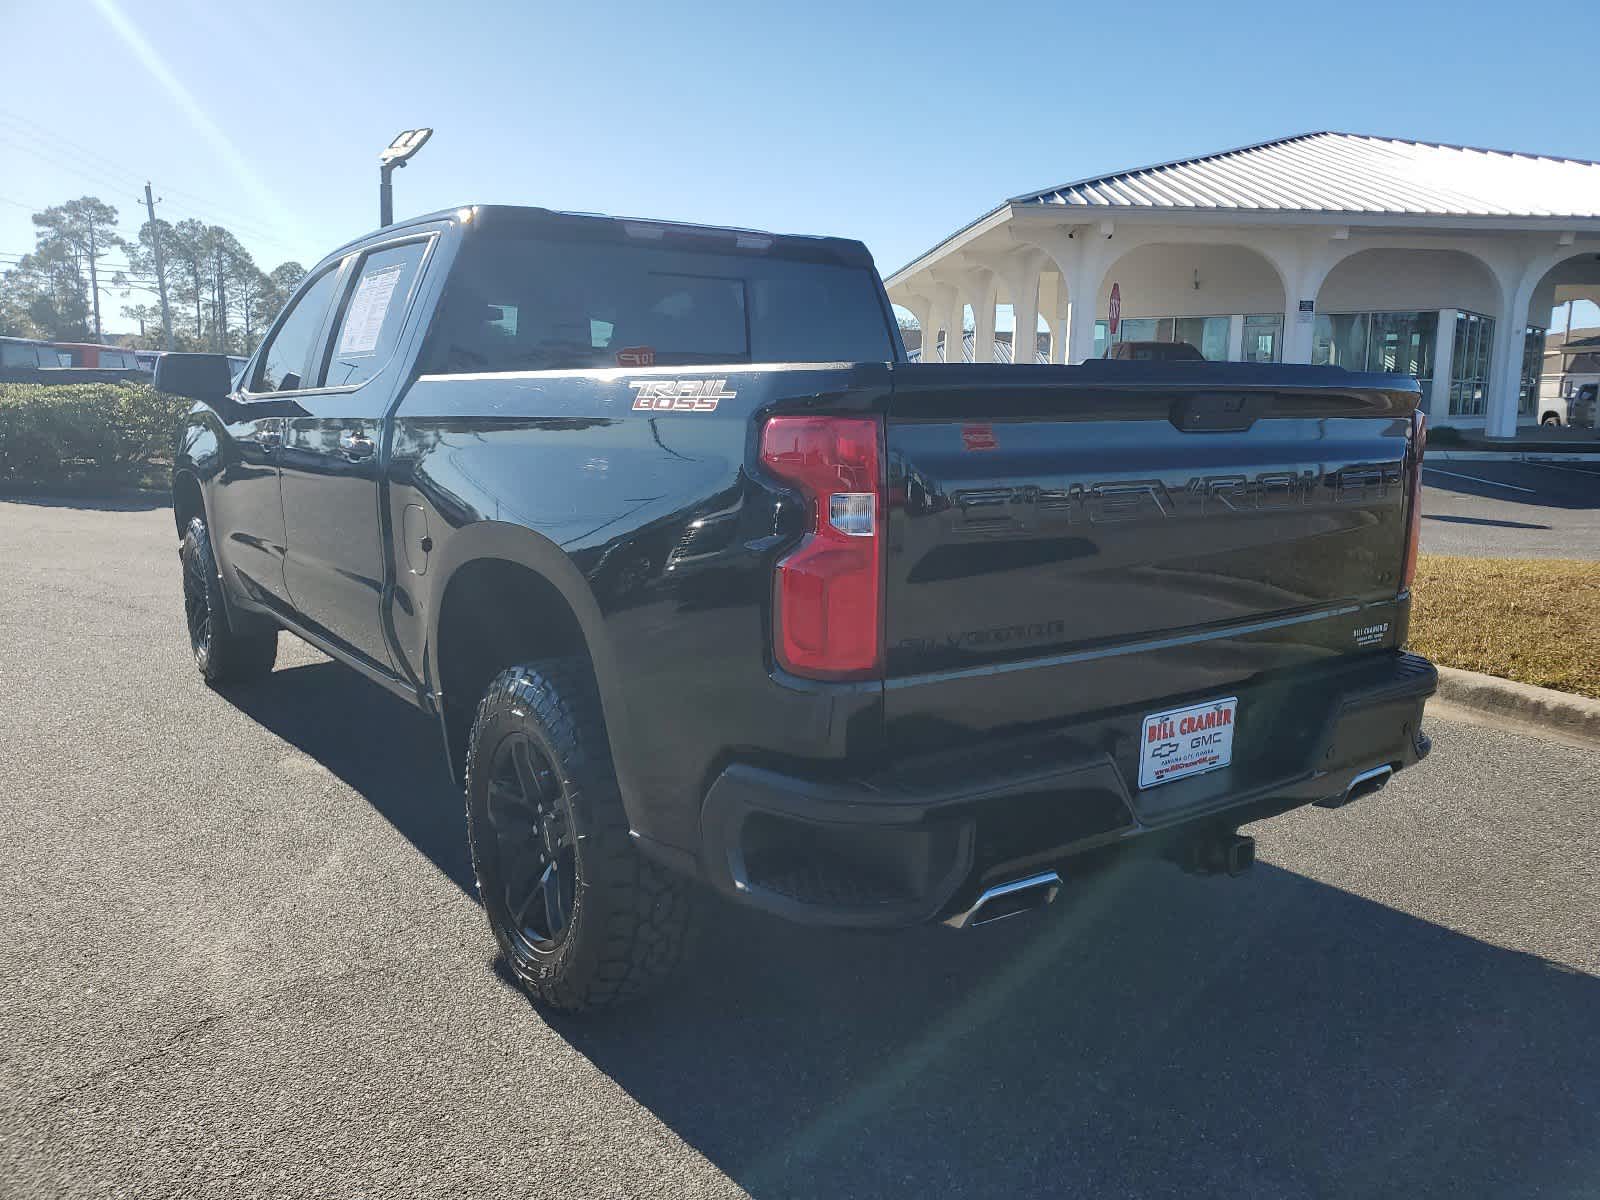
x=104 y=181
x=40 y=133
x=63 y=147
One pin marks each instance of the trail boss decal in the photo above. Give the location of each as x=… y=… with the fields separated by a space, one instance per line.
x=1186 y=741
x=678 y=395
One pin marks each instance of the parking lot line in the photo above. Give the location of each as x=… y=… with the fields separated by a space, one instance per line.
x=1592 y=473
x=1480 y=479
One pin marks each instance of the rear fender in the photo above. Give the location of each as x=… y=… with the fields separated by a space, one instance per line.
x=523 y=547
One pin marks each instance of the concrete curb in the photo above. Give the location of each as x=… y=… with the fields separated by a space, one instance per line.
x=1543 y=706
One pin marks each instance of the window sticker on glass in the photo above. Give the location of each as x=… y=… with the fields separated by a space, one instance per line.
x=368 y=307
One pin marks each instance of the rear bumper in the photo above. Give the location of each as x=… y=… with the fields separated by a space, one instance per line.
x=921 y=840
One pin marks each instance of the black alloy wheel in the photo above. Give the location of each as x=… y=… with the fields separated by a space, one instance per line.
x=535 y=844
x=197 y=608
x=226 y=650
x=582 y=918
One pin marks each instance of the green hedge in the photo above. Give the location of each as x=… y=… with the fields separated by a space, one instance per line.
x=91 y=432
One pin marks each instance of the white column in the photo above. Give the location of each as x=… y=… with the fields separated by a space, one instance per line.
x=1058 y=335
x=1303 y=266
x=1048 y=286
x=1082 y=265
x=1025 y=318
x=952 y=327
x=1505 y=370
x=1297 y=332
x=1236 y=338
x=1444 y=353
x=1083 y=298
x=984 y=298
x=927 y=326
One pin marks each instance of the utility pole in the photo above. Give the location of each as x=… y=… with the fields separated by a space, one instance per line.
x=399 y=151
x=161 y=266
x=94 y=281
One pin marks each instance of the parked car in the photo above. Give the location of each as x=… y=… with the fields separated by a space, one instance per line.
x=1566 y=400
x=706 y=585
x=1153 y=352
x=31 y=354
x=29 y=360
x=92 y=355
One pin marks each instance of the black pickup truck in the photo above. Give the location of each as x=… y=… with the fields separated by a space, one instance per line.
x=707 y=585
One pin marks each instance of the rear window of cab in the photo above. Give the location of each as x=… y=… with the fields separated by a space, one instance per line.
x=518 y=302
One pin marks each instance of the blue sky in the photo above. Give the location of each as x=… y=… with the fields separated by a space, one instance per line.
x=891 y=123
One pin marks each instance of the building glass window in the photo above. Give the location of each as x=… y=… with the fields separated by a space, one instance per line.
x=1401 y=343
x=1469 y=369
x=1396 y=343
x=1263 y=337
x=1340 y=340
x=1532 y=367
x=1209 y=335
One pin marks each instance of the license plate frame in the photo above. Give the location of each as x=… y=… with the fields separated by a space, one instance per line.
x=1179 y=743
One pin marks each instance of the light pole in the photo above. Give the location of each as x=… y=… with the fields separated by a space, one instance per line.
x=407 y=143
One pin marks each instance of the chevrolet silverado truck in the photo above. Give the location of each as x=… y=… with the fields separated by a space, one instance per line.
x=708 y=587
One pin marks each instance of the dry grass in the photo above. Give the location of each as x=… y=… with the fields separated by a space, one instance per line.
x=1533 y=620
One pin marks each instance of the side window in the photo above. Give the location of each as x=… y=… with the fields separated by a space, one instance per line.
x=368 y=329
x=283 y=362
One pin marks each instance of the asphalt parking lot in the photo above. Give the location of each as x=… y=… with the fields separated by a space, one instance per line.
x=242 y=958
x=1511 y=509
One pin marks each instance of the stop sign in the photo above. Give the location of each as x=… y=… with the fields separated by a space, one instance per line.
x=1116 y=307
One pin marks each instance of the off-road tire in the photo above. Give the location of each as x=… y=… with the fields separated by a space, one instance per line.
x=223 y=653
x=629 y=918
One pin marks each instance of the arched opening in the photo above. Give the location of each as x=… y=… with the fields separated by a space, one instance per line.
x=912 y=335
x=1007 y=339
x=1225 y=300
x=1560 y=358
x=1431 y=314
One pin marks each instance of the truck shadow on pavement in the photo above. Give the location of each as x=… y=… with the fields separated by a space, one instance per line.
x=376 y=744
x=1158 y=1034
x=1152 y=1033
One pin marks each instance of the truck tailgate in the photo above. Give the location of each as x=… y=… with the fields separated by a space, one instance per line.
x=1138 y=530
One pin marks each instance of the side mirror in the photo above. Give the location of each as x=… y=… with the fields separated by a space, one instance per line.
x=204 y=377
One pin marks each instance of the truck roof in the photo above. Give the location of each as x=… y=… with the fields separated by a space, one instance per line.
x=843 y=251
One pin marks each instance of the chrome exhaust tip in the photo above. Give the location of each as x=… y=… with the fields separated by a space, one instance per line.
x=1365 y=784
x=1008 y=899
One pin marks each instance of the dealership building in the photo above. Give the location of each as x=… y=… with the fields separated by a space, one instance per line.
x=1441 y=262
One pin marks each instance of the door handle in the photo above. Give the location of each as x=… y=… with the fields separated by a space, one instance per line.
x=270 y=437
x=357 y=447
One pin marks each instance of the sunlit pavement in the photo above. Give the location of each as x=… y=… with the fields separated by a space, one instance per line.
x=241 y=958
x=1511 y=509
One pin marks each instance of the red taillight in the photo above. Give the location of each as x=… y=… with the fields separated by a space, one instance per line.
x=828 y=594
x=1419 y=442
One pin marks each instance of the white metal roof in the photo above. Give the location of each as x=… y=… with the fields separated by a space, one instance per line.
x=1348 y=173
